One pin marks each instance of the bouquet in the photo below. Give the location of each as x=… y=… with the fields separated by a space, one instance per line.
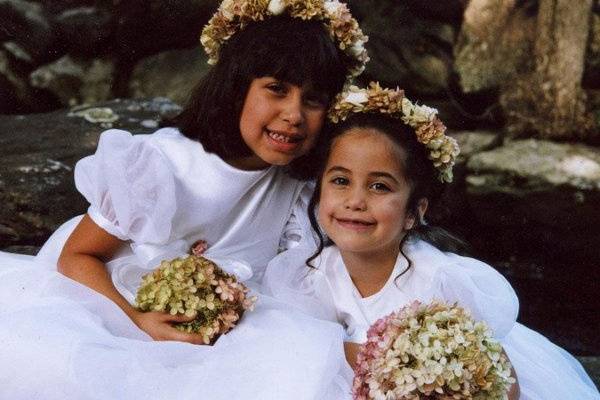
x=194 y=285
x=433 y=351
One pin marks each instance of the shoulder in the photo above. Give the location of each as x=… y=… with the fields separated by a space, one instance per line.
x=435 y=261
x=166 y=146
x=469 y=282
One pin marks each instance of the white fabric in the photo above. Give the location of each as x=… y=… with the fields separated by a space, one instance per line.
x=162 y=192
x=545 y=371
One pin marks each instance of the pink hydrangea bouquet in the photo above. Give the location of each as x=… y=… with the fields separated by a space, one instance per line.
x=431 y=351
x=195 y=285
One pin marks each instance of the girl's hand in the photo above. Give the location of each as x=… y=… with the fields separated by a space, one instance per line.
x=159 y=326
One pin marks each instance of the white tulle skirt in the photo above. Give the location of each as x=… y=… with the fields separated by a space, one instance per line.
x=61 y=340
x=544 y=370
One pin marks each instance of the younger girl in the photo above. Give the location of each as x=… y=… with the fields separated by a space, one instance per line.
x=219 y=175
x=385 y=166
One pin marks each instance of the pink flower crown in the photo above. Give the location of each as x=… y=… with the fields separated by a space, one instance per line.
x=429 y=129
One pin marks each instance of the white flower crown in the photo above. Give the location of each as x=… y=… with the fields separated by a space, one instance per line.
x=233 y=15
x=430 y=131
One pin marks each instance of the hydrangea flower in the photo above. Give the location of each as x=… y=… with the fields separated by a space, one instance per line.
x=431 y=351
x=194 y=285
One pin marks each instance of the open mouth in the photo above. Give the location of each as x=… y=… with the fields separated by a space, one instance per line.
x=283 y=137
x=355 y=223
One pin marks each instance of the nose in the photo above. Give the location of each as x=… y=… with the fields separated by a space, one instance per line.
x=292 y=111
x=356 y=200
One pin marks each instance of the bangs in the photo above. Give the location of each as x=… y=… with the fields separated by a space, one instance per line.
x=292 y=50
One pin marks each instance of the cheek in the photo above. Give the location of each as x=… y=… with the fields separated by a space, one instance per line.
x=325 y=207
x=315 y=122
x=393 y=212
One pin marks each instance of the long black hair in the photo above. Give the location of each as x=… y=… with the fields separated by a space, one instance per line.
x=419 y=171
x=289 y=49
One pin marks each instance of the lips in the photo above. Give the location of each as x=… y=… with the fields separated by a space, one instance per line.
x=284 y=137
x=355 y=224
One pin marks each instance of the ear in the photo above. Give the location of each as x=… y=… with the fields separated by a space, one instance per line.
x=422 y=205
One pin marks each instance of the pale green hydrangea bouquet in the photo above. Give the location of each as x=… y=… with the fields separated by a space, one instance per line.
x=431 y=351
x=195 y=285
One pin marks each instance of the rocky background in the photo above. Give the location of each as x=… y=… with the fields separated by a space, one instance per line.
x=527 y=188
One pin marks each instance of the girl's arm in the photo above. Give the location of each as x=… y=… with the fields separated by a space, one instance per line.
x=352 y=349
x=82 y=259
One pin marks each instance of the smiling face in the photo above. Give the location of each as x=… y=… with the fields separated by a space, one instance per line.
x=364 y=193
x=279 y=122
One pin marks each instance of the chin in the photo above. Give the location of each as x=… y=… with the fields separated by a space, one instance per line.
x=279 y=161
x=352 y=247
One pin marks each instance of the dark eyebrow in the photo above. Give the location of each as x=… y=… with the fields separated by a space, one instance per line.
x=374 y=174
x=337 y=168
x=380 y=174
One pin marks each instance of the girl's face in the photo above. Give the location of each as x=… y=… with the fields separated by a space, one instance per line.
x=364 y=193
x=279 y=122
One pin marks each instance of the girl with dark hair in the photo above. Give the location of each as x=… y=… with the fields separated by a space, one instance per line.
x=223 y=172
x=386 y=164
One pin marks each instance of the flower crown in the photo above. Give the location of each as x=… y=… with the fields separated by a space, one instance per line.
x=233 y=15
x=428 y=127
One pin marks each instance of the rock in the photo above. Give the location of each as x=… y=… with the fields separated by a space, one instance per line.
x=452 y=208
x=76 y=81
x=29 y=250
x=473 y=142
x=592 y=366
x=27 y=24
x=547 y=193
x=17 y=95
x=17 y=52
x=492 y=45
x=406 y=50
x=146 y=27
x=55 y=7
x=538 y=165
x=170 y=74
x=38 y=154
x=84 y=30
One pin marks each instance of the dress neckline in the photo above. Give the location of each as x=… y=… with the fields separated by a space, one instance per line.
x=400 y=265
x=221 y=163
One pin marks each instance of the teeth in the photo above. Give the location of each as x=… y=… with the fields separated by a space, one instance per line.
x=278 y=137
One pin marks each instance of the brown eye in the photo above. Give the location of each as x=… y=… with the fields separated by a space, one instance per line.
x=277 y=88
x=380 y=187
x=339 y=181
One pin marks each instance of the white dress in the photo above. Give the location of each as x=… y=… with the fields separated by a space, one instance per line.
x=544 y=370
x=161 y=193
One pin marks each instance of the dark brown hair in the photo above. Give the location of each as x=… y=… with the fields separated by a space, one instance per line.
x=289 y=49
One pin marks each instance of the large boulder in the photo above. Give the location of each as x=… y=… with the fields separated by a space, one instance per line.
x=171 y=74
x=76 y=80
x=27 y=23
x=554 y=185
x=16 y=94
x=85 y=30
x=39 y=152
x=533 y=213
x=146 y=27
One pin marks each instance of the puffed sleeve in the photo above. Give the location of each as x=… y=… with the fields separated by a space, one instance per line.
x=130 y=187
x=297 y=229
x=483 y=290
x=288 y=279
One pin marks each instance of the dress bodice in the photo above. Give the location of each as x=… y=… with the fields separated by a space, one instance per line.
x=163 y=192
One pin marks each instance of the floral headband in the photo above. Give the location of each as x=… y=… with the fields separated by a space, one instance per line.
x=443 y=149
x=233 y=15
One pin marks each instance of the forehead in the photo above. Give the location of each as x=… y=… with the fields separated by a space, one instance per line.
x=367 y=149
